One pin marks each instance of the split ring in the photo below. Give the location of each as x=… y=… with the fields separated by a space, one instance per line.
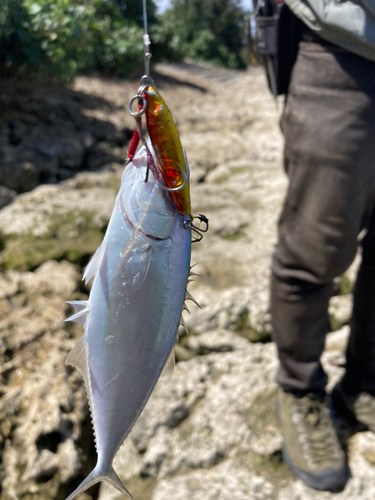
x=139 y=113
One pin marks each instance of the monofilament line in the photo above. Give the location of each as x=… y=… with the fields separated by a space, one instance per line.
x=146 y=41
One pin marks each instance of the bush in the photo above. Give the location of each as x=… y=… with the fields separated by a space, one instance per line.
x=63 y=37
x=210 y=30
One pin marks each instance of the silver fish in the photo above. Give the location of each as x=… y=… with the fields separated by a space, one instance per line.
x=133 y=313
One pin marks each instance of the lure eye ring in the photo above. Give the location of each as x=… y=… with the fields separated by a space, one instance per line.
x=139 y=113
x=171 y=190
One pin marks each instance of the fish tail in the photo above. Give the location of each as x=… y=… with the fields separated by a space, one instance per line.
x=98 y=475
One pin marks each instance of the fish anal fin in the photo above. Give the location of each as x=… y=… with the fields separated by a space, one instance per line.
x=94 y=264
x=169 y=364
x=97 y=475
x=78 y=358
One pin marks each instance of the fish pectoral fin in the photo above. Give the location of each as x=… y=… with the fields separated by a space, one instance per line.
x=97 y=475
x=169 y=364
x=139 y=259
x=94 y=264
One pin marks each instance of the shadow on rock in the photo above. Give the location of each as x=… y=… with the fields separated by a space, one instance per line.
x=47 y=134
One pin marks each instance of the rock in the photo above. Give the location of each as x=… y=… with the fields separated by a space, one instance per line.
x=209 y=430
x=6 y=196
x=65 y=221
x=41 y=418
x=183 y=354
x=216 y=413
x=337 y=340
x=226 y=481
x=340 y=310
x=215 y=341
x=46 y=134
x=103 y=153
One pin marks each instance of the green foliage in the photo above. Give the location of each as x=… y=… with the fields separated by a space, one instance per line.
x=63 y=37
x=206 y=31
x=133 y=9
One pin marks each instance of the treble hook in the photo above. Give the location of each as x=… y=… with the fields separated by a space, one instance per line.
x=198 y=231
x=177 y=188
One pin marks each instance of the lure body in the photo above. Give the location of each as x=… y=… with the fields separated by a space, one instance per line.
x=132 y=315
x=168 y=150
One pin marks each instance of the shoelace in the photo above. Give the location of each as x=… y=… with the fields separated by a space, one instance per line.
x=317 y=428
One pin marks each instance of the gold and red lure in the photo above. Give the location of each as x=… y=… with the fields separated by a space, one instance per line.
x=168 y=150
x=169 y=160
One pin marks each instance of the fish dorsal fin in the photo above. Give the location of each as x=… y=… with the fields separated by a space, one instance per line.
x=183 y=324
x=188 y=296
x=94 y=264
x=79 y=317
x=169 y=364
x=78 y=358
x=78 y=305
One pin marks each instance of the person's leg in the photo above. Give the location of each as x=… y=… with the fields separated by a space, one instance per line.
x=329 y=128
x=360 y=372
x=354 y=397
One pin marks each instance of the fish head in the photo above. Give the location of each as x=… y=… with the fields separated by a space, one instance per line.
x=144 y=205
x=170 y=157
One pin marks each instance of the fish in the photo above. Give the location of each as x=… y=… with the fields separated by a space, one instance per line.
x=131 y=319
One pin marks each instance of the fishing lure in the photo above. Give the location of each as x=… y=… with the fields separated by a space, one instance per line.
x=169 y=155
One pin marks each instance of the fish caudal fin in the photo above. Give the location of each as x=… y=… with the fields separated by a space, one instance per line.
x=97 y=475
x=115 y=481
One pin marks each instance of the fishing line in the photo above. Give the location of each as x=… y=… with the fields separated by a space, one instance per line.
x=146 y=41
x=153 y=163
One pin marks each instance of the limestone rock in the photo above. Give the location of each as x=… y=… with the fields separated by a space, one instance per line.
x=6 y=196
x=46 y=134
x=41 y=418
x=340 y=310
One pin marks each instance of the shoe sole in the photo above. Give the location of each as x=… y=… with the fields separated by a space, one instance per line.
x=333 y=482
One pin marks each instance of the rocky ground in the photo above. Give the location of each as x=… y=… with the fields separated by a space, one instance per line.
x=209 y=431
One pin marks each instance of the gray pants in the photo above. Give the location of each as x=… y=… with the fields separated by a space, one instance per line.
x=329 y=128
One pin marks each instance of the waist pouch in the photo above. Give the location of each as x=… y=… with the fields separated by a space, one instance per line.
x=279 y=32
